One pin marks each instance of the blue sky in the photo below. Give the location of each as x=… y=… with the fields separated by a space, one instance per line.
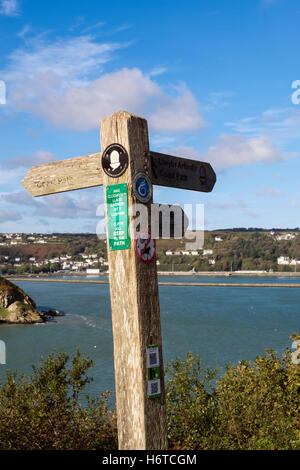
x=213 y=78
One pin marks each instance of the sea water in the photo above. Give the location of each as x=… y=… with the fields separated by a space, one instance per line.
x=221 y=324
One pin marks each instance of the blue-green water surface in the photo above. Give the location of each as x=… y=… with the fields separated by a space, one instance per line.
x=222 y=324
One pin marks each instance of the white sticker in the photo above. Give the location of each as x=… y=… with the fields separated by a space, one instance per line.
x=153 y=357
x=154 y=388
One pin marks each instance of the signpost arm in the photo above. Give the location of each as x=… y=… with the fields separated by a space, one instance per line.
x=64 y=175
x=134 y=305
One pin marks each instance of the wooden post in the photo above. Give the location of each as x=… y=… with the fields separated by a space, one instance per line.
x=134 y=305
x=133 y=283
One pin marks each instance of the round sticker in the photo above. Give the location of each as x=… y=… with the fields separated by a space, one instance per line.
x=142 y=187
x=145 y=247
x=114 y=160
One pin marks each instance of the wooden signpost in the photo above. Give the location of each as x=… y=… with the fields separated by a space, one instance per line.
x=125 y=161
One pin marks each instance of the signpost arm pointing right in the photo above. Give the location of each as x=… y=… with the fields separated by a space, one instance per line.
x=183 y=173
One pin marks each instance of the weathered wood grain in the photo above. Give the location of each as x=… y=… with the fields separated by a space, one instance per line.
x=183 y=173
x=86 y=172
x=64 y=175
x=134 y=305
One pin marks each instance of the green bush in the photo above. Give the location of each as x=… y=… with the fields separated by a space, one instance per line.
x=255 y=405
x=42 y=411
x=190 y=406
x=258 y=405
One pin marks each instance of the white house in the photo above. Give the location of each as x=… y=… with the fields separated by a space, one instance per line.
x=66 y=265
x=293 y=262
x=207 y=252
x=285 y=236
x=283 y=260
x=287 y=261
x=93 y=271
x=169 y=253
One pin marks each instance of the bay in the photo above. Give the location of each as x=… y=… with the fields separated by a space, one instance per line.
x=221 y=324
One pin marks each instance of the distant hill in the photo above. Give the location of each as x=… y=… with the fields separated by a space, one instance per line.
x=231 y=250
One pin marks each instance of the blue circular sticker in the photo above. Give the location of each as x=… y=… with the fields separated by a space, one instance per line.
x=142 y=187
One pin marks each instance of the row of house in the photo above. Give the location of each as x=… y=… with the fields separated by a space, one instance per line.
x=19 y=239
x=66 y=262
x=285 y=260
x=283 y=236
x=192 y=253
x=188 y=252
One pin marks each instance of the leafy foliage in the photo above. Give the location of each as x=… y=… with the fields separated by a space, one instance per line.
x=253 y=406
x=42 y=411
x=190 y=407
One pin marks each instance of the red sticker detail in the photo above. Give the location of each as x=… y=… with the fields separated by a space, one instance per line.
x=146 y=251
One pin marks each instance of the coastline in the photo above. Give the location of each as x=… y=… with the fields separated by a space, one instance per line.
x=228 y=274
x=165 y=273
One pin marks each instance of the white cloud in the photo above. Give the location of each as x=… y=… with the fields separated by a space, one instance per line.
x=9 y=8
x=6 y=216
x=267 y=191
x=13 y=170
x=70 y=61
x=235 y=150
x=218 y=99
x=236 y=206
x=82 y=204
x=278 y=124
x=231 y=150
x=20 y=198
x=11 y=176
x=40 y=157
x=24 y=31
x=295 y=204
x=82 y=108
x=157 y=71
x=176 y=114
x=64 y=83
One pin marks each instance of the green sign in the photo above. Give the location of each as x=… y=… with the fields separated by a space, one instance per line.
x=117 y=217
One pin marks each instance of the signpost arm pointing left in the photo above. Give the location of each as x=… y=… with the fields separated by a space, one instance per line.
x=64 y=175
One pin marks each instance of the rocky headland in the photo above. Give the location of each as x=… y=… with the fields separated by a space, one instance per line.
x=17 y=307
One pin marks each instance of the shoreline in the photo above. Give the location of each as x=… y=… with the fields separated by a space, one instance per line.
x=228 y=274
x=160 y=283
x=163 y=273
